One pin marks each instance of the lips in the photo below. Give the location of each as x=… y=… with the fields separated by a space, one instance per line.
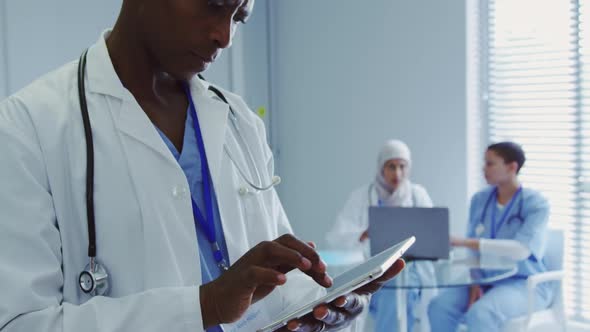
x=207 y=59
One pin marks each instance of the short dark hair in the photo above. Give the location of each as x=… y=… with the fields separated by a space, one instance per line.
x=510 y=152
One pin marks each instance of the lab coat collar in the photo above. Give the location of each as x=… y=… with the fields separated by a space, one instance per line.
x=131 y=119
x=102 y=78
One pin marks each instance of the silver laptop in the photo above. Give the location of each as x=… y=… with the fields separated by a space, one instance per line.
x=430 y=226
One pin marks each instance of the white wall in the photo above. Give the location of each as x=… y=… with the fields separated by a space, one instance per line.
x=253 y=58
x=3 y=59
x=43 y=35
x=348 y=75
x=40 y=36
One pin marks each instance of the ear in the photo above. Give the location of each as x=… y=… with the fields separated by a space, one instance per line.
x=513 y=166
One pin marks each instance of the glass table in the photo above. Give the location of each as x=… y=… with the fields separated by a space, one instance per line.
x=463 y=268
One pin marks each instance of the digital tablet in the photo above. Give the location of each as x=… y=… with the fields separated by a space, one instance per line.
x=347 y=282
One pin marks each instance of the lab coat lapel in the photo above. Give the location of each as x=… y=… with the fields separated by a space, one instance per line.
x=133 y=122
x=130 y=119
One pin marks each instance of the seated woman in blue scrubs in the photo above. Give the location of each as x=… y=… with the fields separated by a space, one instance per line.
x=506 y=217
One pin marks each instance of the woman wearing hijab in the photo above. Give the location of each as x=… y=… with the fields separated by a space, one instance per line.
x=391 y=187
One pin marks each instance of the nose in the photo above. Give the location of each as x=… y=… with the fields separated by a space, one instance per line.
x=222 y=34
x=399 y=173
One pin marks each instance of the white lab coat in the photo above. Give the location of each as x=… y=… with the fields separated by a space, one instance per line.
x=144 y=222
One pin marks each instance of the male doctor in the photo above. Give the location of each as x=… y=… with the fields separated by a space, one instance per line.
x=168 y=168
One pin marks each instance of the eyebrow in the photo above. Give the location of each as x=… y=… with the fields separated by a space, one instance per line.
x=242 y=5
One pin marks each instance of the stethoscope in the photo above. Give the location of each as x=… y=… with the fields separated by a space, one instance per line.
x=378 y=202
x=94 y=279
x=495 y=228
x=370 y=192
x=275 y=180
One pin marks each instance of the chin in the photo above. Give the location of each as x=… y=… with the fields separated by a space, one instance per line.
x=186 y=73
x=202 y=67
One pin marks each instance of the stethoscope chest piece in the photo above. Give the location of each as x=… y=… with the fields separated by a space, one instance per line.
x=479 y=229
x=94 y=280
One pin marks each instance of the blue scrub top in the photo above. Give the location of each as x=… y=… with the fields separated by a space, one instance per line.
x=526 y=223
x=190 y=162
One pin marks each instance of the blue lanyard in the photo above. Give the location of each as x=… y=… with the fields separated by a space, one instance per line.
x=506 y=211
x=207 y=222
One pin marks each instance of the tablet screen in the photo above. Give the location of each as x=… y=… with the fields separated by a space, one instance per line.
x=347 y=282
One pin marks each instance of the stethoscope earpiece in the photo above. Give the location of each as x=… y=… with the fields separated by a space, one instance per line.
x=276 y=180
x=244 y=190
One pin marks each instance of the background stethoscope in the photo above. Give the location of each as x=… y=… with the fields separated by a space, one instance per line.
x=372 y=202
x=480 y=228
x=94 y=279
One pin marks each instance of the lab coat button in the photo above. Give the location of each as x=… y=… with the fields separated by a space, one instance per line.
x=179 y=192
